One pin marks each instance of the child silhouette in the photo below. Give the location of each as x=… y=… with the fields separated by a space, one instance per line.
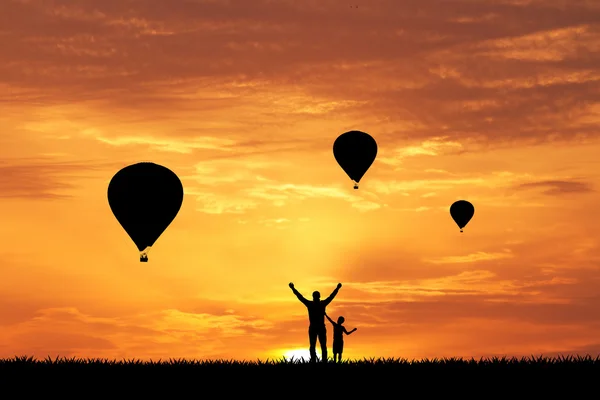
x=338 y=337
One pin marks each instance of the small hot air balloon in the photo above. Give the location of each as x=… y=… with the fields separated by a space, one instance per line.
x=462 y=211
x=145 y=198
x=355 y=151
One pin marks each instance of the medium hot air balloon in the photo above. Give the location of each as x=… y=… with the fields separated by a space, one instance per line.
x=145 y=198
x=462 y=211
x=355 y=151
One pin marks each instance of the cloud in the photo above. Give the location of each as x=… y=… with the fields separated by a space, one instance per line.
x=468 y=283
x=490 y=185
x=279 y=223
x=432 y=147
x=447 y=308
x=67 y=331
x=389 y=187
x=535 y=78
x=558 y=187
x=470 y=258
x=42 y=179
x=592 y=349
x=216 y=173
x=280 y=194
x=211 y=203
x=177 y=146
x=245 y=183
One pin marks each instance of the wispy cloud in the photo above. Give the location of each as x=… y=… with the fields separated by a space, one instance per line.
x=473 y=257
x=43 y=178
x=433 y=147
x=279 y=194
x=211 y=203
x=557 y=187
x=468 y=283
x=177 y=146
x=387 y=187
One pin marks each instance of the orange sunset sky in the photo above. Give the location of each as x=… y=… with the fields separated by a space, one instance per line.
x=496 y=102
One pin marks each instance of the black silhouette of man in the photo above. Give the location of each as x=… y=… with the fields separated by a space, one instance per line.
x=316 y=317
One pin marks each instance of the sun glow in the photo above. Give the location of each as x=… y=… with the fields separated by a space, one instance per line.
x=297 y=354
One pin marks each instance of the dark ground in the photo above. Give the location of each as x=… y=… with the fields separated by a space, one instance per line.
x=391 y=378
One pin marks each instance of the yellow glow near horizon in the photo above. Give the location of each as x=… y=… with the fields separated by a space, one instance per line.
x=297 y=354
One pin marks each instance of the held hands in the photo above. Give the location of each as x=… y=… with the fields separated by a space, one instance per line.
x=291 y=285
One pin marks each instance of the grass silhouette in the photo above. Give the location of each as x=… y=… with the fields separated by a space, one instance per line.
x=492 y=362
x=371 y=375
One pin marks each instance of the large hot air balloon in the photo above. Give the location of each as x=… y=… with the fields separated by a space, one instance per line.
x=355 y=151
x=462 y=211
x=145 y=198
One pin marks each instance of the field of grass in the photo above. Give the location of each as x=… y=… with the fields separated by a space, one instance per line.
x=348 y=376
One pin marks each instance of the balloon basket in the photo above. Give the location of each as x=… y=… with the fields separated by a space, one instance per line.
x=143 y=258
x=355 y=186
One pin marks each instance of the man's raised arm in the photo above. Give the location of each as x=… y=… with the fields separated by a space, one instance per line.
x=332 y=295
x=298 y=295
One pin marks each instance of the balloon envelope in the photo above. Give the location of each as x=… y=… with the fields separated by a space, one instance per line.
x=145 y=198
x=462 y=211
x=355 y=151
